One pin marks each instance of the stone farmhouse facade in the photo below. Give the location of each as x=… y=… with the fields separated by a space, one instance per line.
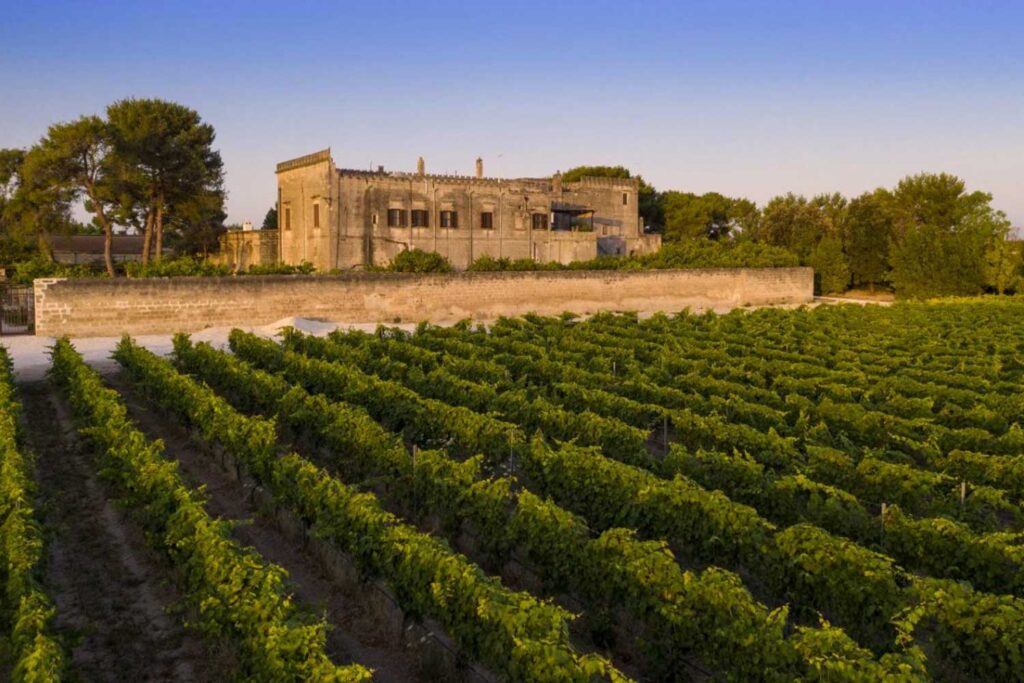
x=341 y=219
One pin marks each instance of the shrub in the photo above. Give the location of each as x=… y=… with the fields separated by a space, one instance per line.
x=419 y=261
x=176 y=267
x=304 y=268
x=40 y=266
x=703 y=253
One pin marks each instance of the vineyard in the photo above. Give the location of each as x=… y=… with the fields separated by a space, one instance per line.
x=829 y=494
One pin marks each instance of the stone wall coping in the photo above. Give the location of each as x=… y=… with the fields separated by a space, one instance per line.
x=364 y=276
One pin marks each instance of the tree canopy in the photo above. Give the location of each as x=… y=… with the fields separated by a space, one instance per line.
x=77 y=158
x=270 y=220
x=149 y=164
x=942 y=236
x=711 y=215
x=928 y=236
x=165 y=159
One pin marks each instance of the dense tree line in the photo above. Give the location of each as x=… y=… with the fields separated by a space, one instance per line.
x=928 y=236
x=148 y=165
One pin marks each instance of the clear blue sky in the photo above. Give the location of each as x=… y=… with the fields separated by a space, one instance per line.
x=746 y=98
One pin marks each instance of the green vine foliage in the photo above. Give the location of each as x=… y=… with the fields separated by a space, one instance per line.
x=684 y=612
x=240 y=599
x=777 y=388
x=25 y=609
x=428 y=422
x=862 y=465
x=514 y=632
x=787 y=499
x=975 y=632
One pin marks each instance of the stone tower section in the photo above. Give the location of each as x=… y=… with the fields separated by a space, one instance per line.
x=307 y=196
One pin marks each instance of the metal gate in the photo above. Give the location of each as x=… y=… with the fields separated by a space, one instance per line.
x=17 y=309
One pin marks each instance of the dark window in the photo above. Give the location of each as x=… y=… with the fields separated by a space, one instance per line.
x=487 y=220
x=316 y=215
x=288 y=219
x=420 y=218
x=540 y=221
x=396 y=218
x=625 y=198
x=449 y=219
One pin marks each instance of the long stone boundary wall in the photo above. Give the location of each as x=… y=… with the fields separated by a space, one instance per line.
x=110 y=307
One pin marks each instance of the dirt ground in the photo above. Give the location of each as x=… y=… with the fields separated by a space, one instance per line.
x=354 y=636
x=115 y=603
x=117 y=607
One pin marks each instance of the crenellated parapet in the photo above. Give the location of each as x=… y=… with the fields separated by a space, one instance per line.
x=606 y=183
x=535 y=184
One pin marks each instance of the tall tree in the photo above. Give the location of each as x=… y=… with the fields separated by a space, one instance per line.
x=832 y=208
x=793 y=222
x=10 y=181
x=867 y=233
x=29 y=212
x=710 y=215
x=1003 y=264
x=830 y=265
x=270 y=220
x=10 y=172
x=195 y=223
x=196 y=227
x=76 y=158
x=813 y=230
x=941 y=234
x=164 y=158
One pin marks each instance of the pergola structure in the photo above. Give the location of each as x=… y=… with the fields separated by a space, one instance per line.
x=572 y=212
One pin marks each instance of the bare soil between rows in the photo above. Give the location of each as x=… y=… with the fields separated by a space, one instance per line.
x=116 y=606
x=355 y=635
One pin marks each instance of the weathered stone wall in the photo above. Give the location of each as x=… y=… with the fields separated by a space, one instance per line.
x=339 y=218
x=102 y=307
x=306 y=188
x=462 y=247
x=241 y=249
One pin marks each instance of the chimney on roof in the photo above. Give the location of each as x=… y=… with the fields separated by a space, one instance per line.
x=479 y=167
x=556 y=183
x=421 y=166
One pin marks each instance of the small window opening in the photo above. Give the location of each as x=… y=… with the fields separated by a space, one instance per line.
x=449 y=219
x=396 y=218
x=420 y=218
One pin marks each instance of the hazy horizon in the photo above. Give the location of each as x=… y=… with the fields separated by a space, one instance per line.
x=747 y=99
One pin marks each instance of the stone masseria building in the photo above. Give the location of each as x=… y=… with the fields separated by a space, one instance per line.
x=339 y=218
